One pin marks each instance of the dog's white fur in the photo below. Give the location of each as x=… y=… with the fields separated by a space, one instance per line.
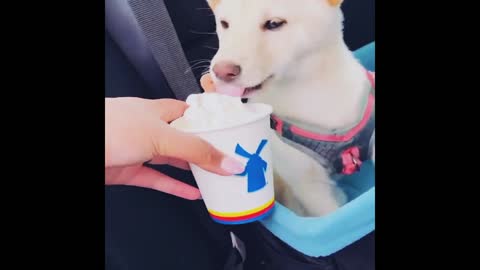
x=316 y=80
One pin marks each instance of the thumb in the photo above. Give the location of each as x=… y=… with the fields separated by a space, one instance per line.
x=207 y=83
x=145 y=177
x=176 y=144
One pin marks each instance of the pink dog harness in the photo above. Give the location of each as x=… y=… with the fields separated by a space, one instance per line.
x=340 y=153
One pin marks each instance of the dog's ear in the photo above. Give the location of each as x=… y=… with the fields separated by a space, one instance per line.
x=213 y=3
x=333 y=3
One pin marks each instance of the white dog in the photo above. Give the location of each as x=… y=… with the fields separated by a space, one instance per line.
x=291 y=55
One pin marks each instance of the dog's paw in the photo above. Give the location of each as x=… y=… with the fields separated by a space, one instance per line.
x=323 y=208
x=320 y=196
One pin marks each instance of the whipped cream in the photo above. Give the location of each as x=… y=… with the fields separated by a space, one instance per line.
x=208 y=111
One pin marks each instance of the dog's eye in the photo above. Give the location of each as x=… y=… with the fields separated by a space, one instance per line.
x=224 y=24
x=274 y=24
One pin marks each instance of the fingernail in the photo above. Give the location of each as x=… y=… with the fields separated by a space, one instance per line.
x=232 y=165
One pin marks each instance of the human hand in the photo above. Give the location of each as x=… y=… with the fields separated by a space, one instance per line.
x=137 y=131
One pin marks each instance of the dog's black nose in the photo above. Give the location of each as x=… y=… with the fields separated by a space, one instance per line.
x=226 y=71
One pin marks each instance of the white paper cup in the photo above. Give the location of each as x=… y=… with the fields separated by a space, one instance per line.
x=249 y=196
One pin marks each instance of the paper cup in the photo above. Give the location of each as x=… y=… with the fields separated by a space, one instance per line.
x=249 y=196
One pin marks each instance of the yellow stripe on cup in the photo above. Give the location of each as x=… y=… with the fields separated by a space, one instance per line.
x=243 y=217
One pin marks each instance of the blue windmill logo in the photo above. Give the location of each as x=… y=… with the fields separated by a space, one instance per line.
x=256 y=167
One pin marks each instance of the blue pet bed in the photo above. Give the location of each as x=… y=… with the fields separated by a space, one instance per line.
x=326 y=235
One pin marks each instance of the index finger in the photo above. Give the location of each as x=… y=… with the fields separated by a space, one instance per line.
x=170 y=109
x=176 y=144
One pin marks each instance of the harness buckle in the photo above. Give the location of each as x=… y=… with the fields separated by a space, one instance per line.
x=351 y=160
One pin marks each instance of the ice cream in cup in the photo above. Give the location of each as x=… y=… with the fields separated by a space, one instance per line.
x=241 y=131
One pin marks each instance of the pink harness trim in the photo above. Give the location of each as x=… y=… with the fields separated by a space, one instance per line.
x=339 y=138
x=334 y=137
x=371 y=77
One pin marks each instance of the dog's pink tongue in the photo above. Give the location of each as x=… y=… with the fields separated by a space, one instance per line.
x=231 y=90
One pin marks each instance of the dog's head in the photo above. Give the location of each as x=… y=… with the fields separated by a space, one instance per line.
x=260 y=40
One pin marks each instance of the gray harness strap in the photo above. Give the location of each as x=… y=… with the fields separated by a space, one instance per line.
x=153 y=18
x=328 y=154
x=338 y=156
